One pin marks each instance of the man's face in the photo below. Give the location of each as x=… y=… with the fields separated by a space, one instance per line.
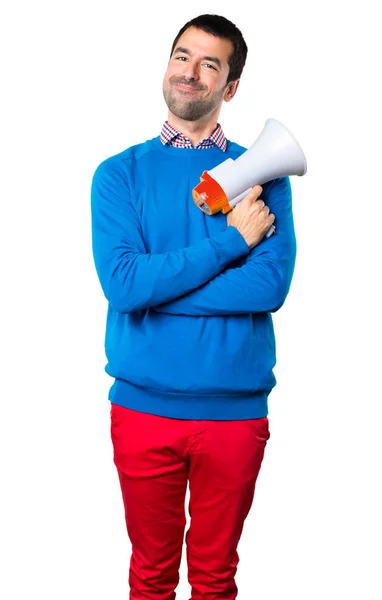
x=195 y=83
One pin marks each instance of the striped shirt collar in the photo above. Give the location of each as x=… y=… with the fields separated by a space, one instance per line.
x=169 y=135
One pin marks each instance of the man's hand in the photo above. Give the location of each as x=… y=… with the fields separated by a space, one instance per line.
x=251 y=217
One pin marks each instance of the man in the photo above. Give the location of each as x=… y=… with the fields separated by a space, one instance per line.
x=189 y=337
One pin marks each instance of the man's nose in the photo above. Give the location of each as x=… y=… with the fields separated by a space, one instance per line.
x=191 y=70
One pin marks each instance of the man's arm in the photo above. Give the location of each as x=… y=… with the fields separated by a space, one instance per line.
x=262 y=283
x=131 y=278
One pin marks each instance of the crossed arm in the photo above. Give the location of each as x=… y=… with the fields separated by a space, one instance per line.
x=133 y=279
x=203 y=279
x=261 y=283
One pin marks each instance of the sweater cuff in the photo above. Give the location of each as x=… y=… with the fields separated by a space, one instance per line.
x=231 y=243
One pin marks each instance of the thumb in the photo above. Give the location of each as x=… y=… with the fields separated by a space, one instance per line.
x=257 y=189
x=250 y=197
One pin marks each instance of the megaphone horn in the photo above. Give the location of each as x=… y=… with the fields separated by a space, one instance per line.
x=275 y=153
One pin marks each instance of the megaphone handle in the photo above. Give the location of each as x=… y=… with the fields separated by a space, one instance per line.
x=270 y=231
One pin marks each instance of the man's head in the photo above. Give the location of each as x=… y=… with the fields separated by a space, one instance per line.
x=206 y=61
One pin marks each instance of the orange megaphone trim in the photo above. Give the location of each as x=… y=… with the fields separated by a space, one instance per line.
x=209 y=196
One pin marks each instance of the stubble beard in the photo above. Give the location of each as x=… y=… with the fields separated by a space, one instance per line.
x=190 y=110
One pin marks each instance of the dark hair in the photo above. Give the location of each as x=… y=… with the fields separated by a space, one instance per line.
x=226 y=30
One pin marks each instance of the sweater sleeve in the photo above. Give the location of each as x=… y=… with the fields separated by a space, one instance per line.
x=261 y=283
x=132 y=278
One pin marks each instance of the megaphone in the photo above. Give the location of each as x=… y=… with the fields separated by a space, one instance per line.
x=275 y=153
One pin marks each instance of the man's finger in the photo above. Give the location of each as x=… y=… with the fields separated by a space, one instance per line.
x=257 y=189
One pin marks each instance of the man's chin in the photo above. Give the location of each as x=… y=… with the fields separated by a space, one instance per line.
x=185 y=111
x=185 y=116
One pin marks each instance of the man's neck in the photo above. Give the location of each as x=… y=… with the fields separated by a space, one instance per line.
x=196 y=131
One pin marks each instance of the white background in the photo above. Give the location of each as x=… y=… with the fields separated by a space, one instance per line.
x=81 y=81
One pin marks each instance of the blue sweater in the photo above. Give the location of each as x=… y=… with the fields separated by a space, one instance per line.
x=189 y=333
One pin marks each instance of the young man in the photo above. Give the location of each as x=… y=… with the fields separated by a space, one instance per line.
x=189 y=337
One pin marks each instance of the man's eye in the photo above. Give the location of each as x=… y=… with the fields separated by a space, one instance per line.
x=181 y=58
x=210 y=66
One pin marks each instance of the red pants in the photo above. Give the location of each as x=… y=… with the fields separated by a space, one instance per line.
x=155 y=458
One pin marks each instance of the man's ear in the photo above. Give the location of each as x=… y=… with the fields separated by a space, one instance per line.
x=231 y=90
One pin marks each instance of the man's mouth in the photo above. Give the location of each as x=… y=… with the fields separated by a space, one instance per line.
x=186 y=88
